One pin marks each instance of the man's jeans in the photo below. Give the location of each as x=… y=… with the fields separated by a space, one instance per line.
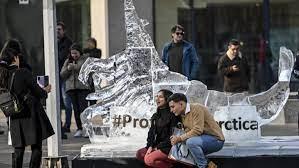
x=67 y=105
x=202 y=145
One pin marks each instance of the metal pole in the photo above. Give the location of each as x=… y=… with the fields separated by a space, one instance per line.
x=266 y=19
x=51 y=69
x=193 y=23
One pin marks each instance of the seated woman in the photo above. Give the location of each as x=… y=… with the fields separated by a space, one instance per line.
x=155 y=154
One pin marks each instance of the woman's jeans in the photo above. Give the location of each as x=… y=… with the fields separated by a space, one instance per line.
x=202 y=145
x=67 y=105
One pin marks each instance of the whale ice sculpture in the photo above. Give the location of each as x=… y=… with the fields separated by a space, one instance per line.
x=137 y=73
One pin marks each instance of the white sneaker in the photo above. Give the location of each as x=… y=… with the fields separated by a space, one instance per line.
x=78 y=134
x=85 y=135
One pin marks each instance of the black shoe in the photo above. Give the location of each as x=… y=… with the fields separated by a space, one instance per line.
x=66 y=129
x=1 y=132
x=63 y=136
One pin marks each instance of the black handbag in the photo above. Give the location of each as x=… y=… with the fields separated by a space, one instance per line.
x=9 y=102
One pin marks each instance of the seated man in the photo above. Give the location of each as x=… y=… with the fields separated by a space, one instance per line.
x=202 y=133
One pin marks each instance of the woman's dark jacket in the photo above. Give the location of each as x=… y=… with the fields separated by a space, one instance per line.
x=162 y=123
x=95 y=52
x=32 y=124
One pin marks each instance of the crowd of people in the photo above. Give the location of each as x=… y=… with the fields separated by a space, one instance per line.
x=70 y=59
x=202 y=134
x=31 y=125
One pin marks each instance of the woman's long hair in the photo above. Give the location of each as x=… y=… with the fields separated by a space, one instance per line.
x=166 y=94
x=6 y=58
x=18 y=47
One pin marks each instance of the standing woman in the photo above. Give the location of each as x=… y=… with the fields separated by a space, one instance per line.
x=92 y=49
x=31 y=125
x=74 y=88
x=155 y=154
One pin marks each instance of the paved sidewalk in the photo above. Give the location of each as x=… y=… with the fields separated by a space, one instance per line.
x=70 y=146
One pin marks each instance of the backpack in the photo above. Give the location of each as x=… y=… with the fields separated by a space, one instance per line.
x=9 y=103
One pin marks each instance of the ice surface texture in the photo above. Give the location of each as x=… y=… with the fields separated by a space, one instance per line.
x=136 y=74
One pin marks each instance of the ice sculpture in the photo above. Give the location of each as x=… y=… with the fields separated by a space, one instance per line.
x=137 y=73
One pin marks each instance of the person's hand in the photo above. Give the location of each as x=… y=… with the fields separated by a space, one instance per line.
x=47 y=88
x=175 y=139
x=235 y=68
x=70 y=66
x=149 y=150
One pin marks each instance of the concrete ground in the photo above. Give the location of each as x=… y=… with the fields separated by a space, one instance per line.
x=71 y=146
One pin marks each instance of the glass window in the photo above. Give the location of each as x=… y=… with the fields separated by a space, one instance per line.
x=76 y=16
x=261 y=25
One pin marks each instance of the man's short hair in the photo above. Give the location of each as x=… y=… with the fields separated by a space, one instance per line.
x=234 y=42
x=175 y=27
x=176 y=97
x=61 y=24
x=93 y=40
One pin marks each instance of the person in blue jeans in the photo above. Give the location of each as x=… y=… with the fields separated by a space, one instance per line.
x=202 y=133
x=67 y=106
x=64 y=44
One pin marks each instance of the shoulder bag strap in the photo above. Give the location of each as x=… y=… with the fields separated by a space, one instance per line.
x=12 y=80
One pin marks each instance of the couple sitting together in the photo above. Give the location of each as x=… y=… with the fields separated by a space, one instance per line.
x=202 y=135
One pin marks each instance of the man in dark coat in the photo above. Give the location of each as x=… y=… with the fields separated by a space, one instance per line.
x=64 y=44
x=234 y=69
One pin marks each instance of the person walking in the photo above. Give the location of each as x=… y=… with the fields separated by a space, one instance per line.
x=202 y=133
x=31 y=125
x=180 y=56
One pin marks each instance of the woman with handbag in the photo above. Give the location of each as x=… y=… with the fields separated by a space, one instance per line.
x=31 y=125
x=155 y=154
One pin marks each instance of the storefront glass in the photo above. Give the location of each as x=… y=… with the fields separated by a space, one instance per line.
x=25 y=23
x=76 y=16
x=261 y=25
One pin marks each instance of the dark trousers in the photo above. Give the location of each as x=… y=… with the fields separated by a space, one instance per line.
x=36 y=156
x=80 y=103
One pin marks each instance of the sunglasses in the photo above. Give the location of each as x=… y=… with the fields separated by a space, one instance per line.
x=179 y=33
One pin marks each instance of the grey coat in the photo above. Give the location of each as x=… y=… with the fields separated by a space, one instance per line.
x=70 y=75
